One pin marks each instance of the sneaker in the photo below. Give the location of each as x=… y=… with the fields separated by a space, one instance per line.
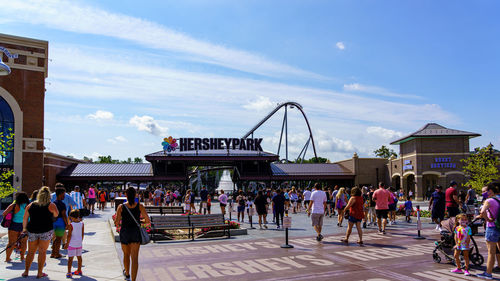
x=466 y=273
x=485 y=275
x=278 y=227
x=383 y=232
x=380 y=231
x=68 y=275
x=437 y=227
x=364 y=225
x=78 y=272
x=456 y=270
x=265 y=226
x=320 y=237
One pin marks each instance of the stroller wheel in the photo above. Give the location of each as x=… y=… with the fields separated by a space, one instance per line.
x=436 y=258
x=477 y=259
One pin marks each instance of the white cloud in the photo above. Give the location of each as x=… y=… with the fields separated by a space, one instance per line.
x=356 y=87
x=260 y=104
x=147 y=124
x=340 y=45
x=384 y=133
x=117 y=139
x=101 y=115
x=191 y=92
x=82 y=18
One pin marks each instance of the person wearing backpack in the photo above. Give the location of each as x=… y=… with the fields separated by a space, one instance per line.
x=490 y=212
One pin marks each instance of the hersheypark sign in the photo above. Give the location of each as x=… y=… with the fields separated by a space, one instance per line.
x=196 y=144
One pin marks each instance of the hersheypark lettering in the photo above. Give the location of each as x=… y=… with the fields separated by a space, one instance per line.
x=188 y=144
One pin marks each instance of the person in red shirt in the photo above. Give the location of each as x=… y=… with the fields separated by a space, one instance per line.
x=451 y=196
x=381 y=197
x=356 y=215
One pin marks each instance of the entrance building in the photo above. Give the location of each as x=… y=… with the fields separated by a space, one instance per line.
x=428 y=157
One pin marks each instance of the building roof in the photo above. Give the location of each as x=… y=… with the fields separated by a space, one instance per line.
x=316 y=170
x=223 y=154
x=143 y=171
x=108 y=170
x=435 y=130
x=52 y=155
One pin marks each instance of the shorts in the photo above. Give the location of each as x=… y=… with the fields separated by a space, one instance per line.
x=317 y=219
x=241 y=209
x=44 y=236
x=437 y=213
x=16 y=226
x=59 y=227
x=354 y=220
x=91 y=201
x=492 y=234
x=408 y=213
x=223 y=205
x=306 y=202
x=132 y=235
x=74 y=252
x=452 y=211
x=382 y=213
x=392 y=207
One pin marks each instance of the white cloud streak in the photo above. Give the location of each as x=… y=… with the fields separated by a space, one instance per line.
x=384 y=133
x=101 y=115
x=148 y=124
x=260 y=104
x=340 y=45
x=356 y=87
x=76 y=17
x=117 y=139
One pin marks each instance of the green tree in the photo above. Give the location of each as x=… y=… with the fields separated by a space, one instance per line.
x=481 y=167
x=313 y=160
x=6 y=145
x=137 y=160
x=385 y=152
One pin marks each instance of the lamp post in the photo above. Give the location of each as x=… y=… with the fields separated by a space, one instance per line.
x=5 y=69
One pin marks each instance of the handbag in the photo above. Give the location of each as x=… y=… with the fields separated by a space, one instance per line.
x=145 y=239
x=7 y=220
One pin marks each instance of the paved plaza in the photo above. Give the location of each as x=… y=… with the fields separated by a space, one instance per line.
x=258 y=255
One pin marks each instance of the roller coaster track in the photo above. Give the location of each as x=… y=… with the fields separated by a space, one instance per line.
x=284 y=128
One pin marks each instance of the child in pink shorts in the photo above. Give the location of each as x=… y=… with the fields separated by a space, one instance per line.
x=74 y=242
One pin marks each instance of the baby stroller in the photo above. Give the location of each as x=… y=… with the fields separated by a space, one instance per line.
x=447 y=242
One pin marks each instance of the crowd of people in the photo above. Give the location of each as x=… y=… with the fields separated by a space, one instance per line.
x=46 y=217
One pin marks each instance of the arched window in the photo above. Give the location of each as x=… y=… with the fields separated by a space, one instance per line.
x=7 y=127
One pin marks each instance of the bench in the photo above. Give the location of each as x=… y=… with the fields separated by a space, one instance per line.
x=171 y=222
x=165 y=210
x=189 y=222
x=214 y=220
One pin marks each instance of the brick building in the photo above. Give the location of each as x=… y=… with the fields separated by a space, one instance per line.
x=22 y=94
x=429 y=157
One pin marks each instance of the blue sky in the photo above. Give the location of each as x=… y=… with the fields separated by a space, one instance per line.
x=124 y=75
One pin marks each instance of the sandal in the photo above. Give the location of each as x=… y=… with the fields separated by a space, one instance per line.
x=360 y=243
x=69 y=275
x=344 y=240
x=24 y=275
x=42 y=276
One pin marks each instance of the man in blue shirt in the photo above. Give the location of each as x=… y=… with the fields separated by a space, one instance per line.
x=68 y=201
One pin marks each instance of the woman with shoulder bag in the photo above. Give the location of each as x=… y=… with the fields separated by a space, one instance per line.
x=38 y=223
x=130 y=233
x=17 y=209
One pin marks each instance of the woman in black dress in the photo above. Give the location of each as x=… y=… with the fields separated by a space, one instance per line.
x=261 y=206
x=130 y=235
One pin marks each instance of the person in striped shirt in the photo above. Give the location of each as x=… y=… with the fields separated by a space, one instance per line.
x=78 y=197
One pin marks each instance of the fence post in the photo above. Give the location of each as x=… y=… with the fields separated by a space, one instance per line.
x=419 y=224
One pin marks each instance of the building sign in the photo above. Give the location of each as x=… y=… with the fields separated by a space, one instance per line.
x=443 y=162
x=407 y=165
x=7 y=53
x=195 y=144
